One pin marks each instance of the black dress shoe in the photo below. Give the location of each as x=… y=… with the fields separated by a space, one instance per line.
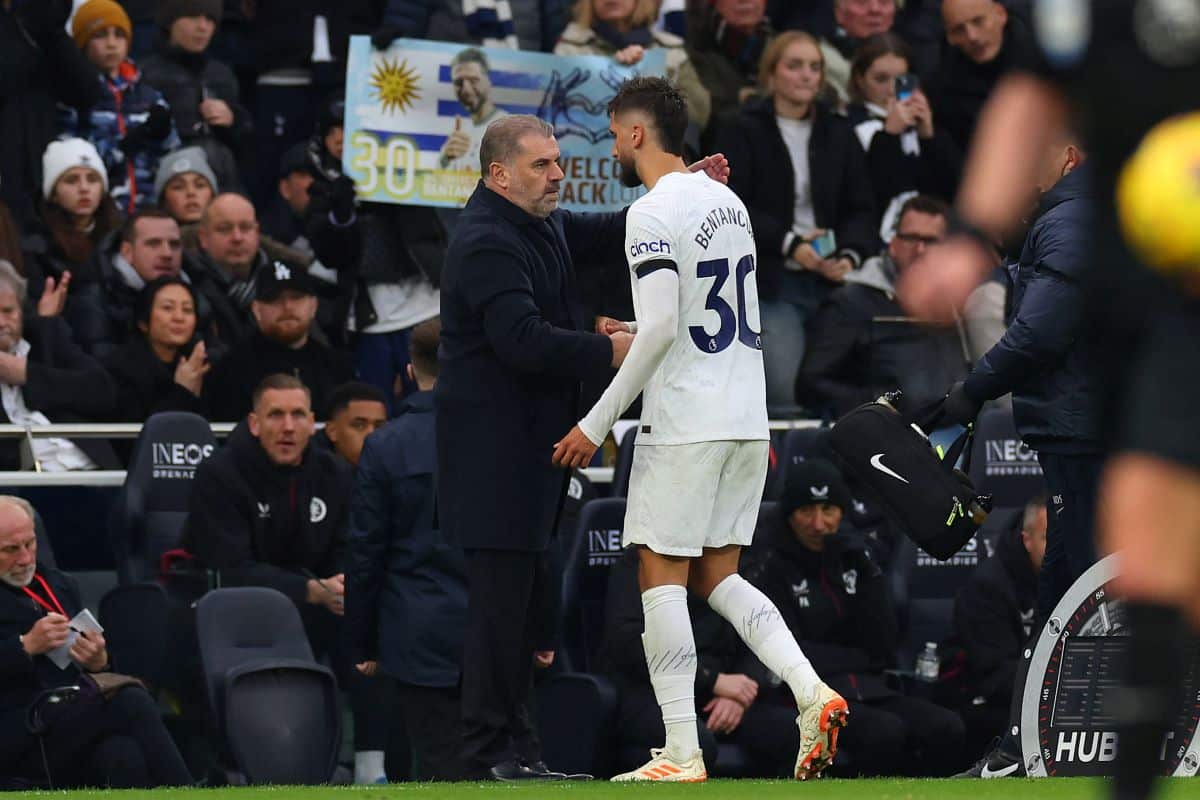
x=513 y=770
x=540 y=767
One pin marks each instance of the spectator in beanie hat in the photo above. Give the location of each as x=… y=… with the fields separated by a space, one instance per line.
x=185 y=184
x=131 y=124
x=202 y=92
x=76 y=215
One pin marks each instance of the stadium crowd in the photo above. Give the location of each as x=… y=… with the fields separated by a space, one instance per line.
x=177 y=234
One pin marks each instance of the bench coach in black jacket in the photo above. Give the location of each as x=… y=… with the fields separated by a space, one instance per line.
x=833 y=595
x=269 y=510
x=513 y=354
x=1051 y=364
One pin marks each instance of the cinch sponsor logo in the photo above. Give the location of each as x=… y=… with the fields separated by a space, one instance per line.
x=177 y=459
x=1010 y=457
x=604 y=547
x=642 y=248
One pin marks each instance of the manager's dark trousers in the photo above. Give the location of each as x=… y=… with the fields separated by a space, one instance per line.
x=1073 y=482
x=506 y=588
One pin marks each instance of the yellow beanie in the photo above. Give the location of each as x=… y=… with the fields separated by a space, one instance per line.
x=96 y=15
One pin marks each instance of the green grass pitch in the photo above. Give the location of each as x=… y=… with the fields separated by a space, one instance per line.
x=1004 y=789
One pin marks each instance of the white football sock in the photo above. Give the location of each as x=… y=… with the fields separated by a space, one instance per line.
x=671 y=658
x=368 y=766
x=757 y=621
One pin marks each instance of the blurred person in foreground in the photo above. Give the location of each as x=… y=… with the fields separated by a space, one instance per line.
x=1148 y=321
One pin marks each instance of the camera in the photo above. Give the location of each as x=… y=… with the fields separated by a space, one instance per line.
x=906 y=85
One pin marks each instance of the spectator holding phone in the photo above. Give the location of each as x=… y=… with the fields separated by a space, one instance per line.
x=906 y=153
x=788 y=133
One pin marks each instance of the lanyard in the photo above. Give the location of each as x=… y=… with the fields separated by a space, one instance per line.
x=49 y=608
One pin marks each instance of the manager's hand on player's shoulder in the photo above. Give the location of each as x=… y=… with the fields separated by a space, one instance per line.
x=715 y=166
x=621 y=342
x=573 y=450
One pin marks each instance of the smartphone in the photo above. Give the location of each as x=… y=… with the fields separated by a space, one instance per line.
x=825 y=245
x=906 y=85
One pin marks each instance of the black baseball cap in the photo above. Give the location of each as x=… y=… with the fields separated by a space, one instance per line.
x=275 y=277
x=297 y=159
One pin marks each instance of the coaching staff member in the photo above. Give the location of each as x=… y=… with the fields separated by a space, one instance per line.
x=514 y=352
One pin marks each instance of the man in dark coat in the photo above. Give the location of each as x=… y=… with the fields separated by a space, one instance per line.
x=985 y=42
x=88 y=741
x=861 y=344
x=1051 y=364
x=46 y=378
x=39 y=67
x=513 y=354
x=406 y=582
x=284 y=308
x=832 y=593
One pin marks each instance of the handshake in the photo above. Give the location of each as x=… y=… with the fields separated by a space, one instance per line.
x=621 y=335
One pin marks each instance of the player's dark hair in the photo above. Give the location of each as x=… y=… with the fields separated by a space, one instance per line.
x=278 y=381
x=423 y=347
x=923 y=204
x=661 y=102
x=354 y=392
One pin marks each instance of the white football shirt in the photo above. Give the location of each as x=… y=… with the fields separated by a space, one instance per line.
x=709 y=385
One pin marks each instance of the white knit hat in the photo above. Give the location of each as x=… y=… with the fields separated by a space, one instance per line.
x=63 y=154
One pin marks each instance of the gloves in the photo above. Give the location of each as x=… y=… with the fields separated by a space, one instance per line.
x=43 y=18
x=958 y=408
x=382 y=39
x=342 y=197
x=156 y=128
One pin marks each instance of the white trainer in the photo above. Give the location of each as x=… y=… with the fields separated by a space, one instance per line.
x=819 y=723
x=662 y=767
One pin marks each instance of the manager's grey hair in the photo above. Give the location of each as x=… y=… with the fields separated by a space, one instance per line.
x=12 y=279
x=502 y=139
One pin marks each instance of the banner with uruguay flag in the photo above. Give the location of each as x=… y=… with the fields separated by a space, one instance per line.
x=416 y=112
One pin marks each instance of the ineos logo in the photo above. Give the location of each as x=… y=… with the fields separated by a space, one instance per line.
x=180 y=454
x=641 y=248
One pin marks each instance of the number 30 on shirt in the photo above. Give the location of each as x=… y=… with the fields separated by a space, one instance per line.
x=733 y=325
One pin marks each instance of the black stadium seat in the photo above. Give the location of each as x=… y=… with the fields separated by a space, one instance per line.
x=152 y=507
x=1001 y=464
x=624 y=465
x=594 y=548
x=275 y=706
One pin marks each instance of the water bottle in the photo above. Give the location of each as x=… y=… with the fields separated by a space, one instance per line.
x=928 y=663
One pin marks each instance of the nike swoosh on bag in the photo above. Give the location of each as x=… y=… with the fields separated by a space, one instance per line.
x=877 y=463
x=999 y=773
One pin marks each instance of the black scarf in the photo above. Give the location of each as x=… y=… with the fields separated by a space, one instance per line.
x=621 y=39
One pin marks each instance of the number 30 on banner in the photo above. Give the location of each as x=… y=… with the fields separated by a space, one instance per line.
x=397 y=167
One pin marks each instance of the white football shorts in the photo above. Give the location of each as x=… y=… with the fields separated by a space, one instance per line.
x=686 y=497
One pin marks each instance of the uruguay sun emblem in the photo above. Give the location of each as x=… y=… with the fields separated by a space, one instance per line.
x=395 y=85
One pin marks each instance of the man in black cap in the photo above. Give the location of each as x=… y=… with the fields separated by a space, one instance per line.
x=284 y=307
x=829 y=587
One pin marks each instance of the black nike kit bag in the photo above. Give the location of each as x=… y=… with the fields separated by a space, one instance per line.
x=890 y=453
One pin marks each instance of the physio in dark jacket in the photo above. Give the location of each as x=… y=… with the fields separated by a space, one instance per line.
x=89 y=741
x=776 y=145
x=1050 y=362
x=831 y=591
x=731 y=684
x=514 y=351
x=406 y=582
